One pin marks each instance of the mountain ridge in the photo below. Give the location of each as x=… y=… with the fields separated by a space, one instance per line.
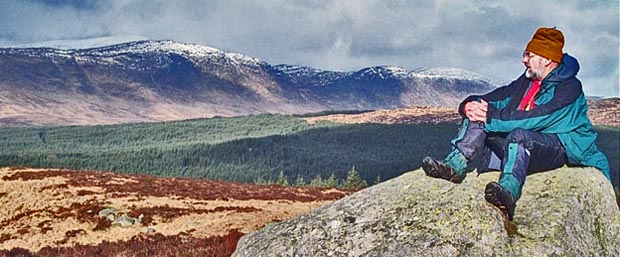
x=166 y=80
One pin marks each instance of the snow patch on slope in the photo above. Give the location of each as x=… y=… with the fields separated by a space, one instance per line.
x=193 y=51
x=107 y=52
x=453 y=73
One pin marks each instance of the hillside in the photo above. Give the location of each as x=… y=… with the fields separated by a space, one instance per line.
x=146 y=81
x=605 y=111
x=380 y=145
x=602 y=112
x=56 y=212
x=234 y=149
x=180 y=215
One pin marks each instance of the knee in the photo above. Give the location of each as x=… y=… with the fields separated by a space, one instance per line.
x=475 y=125
x=519 y=135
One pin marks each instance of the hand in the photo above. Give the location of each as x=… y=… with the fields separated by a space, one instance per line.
x=476 y=111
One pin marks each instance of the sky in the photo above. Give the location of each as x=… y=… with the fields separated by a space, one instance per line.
x=483 y=36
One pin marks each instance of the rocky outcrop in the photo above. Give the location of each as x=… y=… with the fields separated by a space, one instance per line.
x=120 y=219
x=565 y=212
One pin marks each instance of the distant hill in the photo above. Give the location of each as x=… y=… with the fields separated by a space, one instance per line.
x=166 y=80
x=601 y=112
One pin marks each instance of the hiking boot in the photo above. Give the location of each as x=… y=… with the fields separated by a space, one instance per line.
x=436 y=169
x=496 y=195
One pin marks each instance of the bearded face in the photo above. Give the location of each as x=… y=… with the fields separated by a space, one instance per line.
x=534 y=65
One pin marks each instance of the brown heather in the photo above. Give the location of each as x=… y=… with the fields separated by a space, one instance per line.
x=55 y=212
x=601 y=112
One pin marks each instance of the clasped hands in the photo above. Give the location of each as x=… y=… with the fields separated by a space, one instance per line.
x=476 y=111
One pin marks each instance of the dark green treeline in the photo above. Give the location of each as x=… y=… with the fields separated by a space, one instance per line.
x=233 y=149
x=248 y=149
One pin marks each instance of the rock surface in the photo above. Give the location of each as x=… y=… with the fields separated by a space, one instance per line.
x=565 y=212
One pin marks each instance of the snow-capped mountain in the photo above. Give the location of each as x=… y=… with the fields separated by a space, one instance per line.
x=150 y=80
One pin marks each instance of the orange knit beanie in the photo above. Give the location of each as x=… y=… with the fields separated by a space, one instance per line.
x=548 y=43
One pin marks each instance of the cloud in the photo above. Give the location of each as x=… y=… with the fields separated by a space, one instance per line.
x=483 y=36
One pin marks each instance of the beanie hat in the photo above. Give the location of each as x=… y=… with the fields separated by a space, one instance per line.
x=548 y=43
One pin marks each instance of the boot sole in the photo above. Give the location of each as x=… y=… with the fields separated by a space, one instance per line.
x=429 y=167
x=492 y=194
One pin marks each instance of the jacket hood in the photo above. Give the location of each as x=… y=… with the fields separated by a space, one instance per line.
x=567 y=69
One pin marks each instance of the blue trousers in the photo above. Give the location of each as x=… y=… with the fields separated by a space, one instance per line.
x=517 y=154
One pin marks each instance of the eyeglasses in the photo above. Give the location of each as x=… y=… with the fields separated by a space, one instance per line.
x=528 y=54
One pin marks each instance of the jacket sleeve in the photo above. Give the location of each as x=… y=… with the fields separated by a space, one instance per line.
x=554 y=116
x=495 y=97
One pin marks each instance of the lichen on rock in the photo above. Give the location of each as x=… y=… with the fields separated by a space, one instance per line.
x=565 y=212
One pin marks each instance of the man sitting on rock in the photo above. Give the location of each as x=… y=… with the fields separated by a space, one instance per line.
x=536 y=123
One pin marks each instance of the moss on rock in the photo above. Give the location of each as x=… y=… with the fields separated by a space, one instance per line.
x=565 y=212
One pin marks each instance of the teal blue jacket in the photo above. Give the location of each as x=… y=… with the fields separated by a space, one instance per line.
x=561 y=109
